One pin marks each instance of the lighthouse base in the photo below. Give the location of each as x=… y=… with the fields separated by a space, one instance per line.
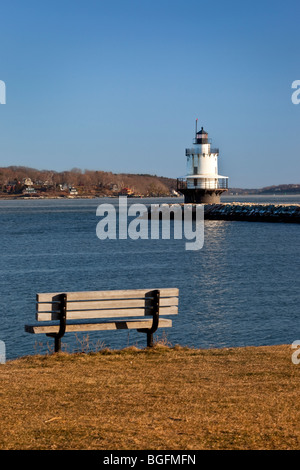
x=202 y=196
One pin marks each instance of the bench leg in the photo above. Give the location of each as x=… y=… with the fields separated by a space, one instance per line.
x=57 y=344
x=62 y=324
x=155 y=312
x=149 y=340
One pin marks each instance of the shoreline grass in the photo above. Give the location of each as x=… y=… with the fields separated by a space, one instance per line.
x=165 y=398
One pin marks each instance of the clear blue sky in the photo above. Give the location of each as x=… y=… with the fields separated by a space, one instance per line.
x=117 y=85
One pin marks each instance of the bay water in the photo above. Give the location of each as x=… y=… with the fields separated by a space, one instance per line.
x=240 y=289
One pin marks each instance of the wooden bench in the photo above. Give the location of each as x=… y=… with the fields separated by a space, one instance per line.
x=80 y=311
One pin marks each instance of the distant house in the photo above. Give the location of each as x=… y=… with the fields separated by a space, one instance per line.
x=27 y=182
x=73 y=191
x=48 y=183
x=113 y=187
x=126 y=192
x=29 y=190
x=11 y=186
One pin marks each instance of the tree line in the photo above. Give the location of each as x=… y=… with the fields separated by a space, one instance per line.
x=85 y=181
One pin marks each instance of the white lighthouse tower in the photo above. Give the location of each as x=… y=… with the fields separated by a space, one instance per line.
x=202 y=183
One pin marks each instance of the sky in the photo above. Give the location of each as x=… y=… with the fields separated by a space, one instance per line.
x=117 y=86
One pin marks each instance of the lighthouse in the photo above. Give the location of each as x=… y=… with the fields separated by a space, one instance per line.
x=202 y=184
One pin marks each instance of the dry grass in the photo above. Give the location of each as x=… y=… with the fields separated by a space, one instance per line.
x=160 y=399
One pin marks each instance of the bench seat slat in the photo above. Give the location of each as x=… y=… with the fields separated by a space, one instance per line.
x=111 y=294
x=105 y=304
x=118 y=325
x=110 y=313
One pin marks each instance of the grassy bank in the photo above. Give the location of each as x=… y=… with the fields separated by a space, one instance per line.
x=165 y=398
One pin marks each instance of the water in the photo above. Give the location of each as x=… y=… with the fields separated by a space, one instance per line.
x=241 y=289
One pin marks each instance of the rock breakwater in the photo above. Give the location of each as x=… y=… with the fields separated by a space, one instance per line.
x=253 y=212
x=289 y=213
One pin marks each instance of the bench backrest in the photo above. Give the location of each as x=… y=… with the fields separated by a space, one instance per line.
x=106 y=304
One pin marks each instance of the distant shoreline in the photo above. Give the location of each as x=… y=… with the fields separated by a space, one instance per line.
x=224 y=197
x=15 y=181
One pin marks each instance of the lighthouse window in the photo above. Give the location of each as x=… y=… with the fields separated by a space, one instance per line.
x=195 y=170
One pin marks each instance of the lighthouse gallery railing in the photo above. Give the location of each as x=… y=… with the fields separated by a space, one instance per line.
x=202 y=183
x=194 y=151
